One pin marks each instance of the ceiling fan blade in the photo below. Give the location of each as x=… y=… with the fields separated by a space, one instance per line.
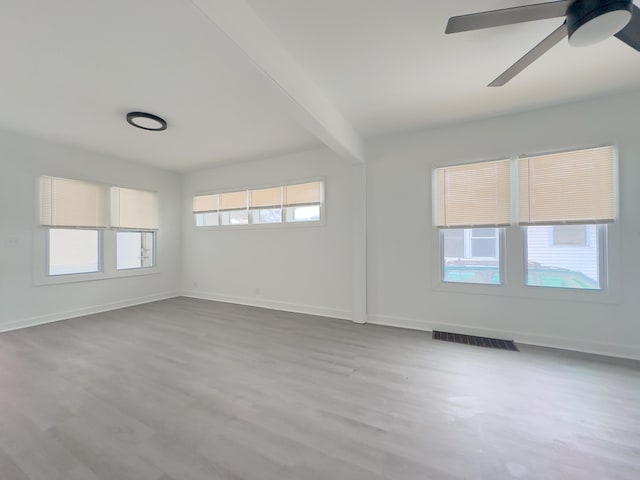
x=631 y=33
x=531 y=56
x=508 y=16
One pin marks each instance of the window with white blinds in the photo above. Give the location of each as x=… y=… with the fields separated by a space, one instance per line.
x=93 y=230
x=303 y=194
x=134 y=209
x=300 y=202
x=473 y=195
x=206 y=203
x=73 y=203
x=570 y=187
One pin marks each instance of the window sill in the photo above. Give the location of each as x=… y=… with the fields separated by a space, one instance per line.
x=261 y=226
x=43 y=280
x=529 y=292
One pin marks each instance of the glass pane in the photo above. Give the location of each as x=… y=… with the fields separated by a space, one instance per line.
x=468 y=259
x=73 y=251
x=306 y=213
x=234 y=217
x=484 y=247
x=134 y=250
x=267 y=215
x=562 y=266
x=208 y=219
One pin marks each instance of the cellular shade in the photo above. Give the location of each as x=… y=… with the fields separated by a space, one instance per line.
x=134 y=209
x=73 y=203
x=233 y=200
x=473 y=195
x=266 y=198
x=206 y=203
x=303 y=194
x=568 y=187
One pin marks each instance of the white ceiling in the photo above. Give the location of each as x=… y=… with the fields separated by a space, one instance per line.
x=389 y=66
x=72 y=69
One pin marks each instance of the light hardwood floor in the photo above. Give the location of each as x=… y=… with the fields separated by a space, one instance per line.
x=187 y=389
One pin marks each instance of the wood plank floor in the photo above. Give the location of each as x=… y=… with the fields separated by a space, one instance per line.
x=186 y=389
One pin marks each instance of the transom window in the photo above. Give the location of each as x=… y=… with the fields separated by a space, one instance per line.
x=295 y=203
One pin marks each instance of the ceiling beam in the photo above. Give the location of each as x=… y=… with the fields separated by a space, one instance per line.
x=301 y=95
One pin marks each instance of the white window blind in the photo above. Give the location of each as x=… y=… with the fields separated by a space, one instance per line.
x=233 y=201
x=473 y=195
x=73 y=203
x=569 y=187
x=303 y=194
x=266 y=198
x=134 y=209
x=206 y=203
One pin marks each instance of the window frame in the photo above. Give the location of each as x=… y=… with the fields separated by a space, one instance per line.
x=285 y=223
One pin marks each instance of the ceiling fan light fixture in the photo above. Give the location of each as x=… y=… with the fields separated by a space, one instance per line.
x=592 y=21
x=146 y=121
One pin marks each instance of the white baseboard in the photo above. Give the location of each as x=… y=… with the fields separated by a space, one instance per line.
x=56 y=317
x=585 y=346
x=270 y=304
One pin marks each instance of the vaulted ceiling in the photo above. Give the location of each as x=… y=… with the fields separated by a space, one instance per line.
x=240 y=79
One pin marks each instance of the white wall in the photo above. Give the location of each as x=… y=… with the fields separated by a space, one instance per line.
x=295 y=268
x=22 y=160
x=402 y=247
x=321 y=269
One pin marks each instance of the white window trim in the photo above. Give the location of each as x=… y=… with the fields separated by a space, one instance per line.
x=513 y=255
x=263 y=226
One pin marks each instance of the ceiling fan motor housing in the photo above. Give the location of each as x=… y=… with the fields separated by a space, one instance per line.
x=591 y=21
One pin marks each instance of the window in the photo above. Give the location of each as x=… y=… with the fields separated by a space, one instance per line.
x=135 y=250
x=134 y=213
x=266 y=205
x=472 y=206
x=471 y=255
x=574 y=188
x=73 y=251
x=205 y=209
x=296 y=203
x=93 y=229
x=566 y=265
x=74 y=212
x=564 y=203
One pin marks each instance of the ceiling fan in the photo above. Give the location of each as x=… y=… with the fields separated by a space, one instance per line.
x=587 y=22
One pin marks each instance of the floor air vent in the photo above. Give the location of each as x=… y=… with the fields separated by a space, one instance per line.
x=477 y=341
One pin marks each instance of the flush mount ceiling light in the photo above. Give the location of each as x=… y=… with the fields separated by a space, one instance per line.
x=146 y=121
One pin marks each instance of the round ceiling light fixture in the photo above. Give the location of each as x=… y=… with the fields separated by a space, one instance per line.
x=146 y=121
x=591 y=21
